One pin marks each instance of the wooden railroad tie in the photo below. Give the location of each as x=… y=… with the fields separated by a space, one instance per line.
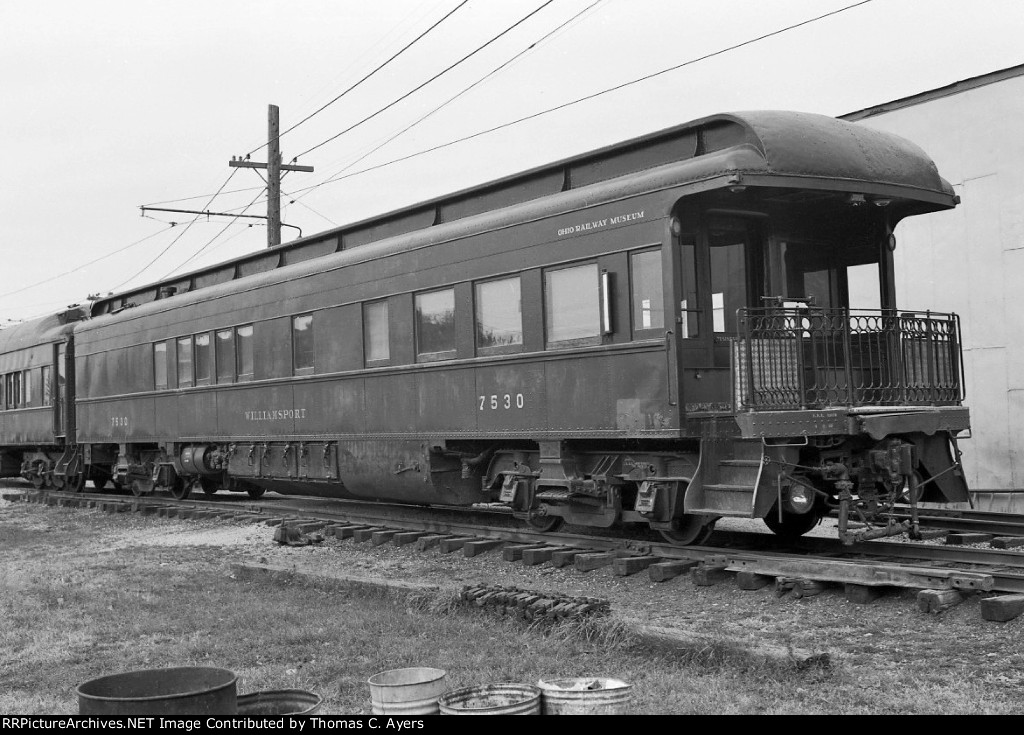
x=476 y=547
x=343 y=532
x=798 y=587
x=961 y=539
x=626 y=565
x=365 y=534
x=403 y=538
x=532 y=557
x=663 y=571
x=453 y=543
x=532 y=604
x=746 y=580
x=430 y=541
x=378 y=538
x=1001 y=608
x=590 y=561
x=566 y=557
x=514 y=552
x=936 y=601
x=1006 y=542
x=705 y=575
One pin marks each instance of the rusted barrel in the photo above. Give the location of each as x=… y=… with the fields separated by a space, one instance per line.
x=585 y=696
x=279 y=702
x=175 y=691
x=491 y=699
x=412 y=691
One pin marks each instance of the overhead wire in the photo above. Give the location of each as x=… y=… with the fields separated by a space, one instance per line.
x=424 y=84
x=447 y=102
x=585 y=98
x=328 y=104
x=185 y=230
x=80 y=266
x=374 y=71
x=306 y=190
x=213 y=239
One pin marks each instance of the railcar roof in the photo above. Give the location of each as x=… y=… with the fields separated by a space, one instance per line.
x=768 y=143
x=21 y=336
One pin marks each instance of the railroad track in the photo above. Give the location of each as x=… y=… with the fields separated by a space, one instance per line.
x=941 y=572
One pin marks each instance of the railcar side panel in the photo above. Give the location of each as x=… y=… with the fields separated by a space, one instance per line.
x=329 y=407
x=126 y=419
x=510 y=397
x=445 y=400
x=256 y=411
x=342 y=348
x=27 y=426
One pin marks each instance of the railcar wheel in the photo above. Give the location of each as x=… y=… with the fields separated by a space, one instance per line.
x=208 y=486
x=38 y=479
x=137 y=488
x=76 y=483
x=179 y=489
x=255 y=491
x=793 y=525
x=908 y=496
x=545 y=524
x=691 y=529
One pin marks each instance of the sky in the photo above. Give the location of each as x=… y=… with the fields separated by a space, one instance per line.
x=112 y=105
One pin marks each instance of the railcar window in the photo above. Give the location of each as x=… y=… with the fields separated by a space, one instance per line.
x=303 y=345
x=435 y=324
x=160 y=366
x=15 y=401
x=647 y=293
x=572 y=304
x=728 y=241
x=46 y=386
x=864 y=285
x=185 y=374
x=243 y=352
x=26 y=388
x=499 y=314
x=823 y=271
x=224 y=354
x=376 y=335
x=8 y=390
x=203 y=359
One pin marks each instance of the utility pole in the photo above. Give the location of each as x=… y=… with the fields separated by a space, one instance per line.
x=274 y=168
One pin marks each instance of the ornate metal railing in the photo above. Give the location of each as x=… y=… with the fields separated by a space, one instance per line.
x=806 y=358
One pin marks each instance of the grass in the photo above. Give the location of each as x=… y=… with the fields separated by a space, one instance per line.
x=73 y=611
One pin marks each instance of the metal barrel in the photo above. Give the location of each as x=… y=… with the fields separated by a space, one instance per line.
x=173 y=691
x=492 y=699
x=412 y=691
x=278 y=702
x=584 y=696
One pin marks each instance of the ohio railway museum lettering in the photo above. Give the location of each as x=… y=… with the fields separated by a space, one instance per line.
x=279 y=414
x=597 y=224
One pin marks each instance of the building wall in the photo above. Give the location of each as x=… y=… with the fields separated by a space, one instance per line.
x=971 y=260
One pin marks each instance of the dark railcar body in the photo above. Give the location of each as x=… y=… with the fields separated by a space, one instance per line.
x=672 y=340
x=36 y=399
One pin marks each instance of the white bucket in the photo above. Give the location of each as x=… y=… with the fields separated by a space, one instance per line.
x=412 y=691
x=584 y=696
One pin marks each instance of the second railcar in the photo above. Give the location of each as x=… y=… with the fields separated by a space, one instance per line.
x=695 y=324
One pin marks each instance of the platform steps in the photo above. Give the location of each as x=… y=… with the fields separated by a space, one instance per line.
x=727 y=478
